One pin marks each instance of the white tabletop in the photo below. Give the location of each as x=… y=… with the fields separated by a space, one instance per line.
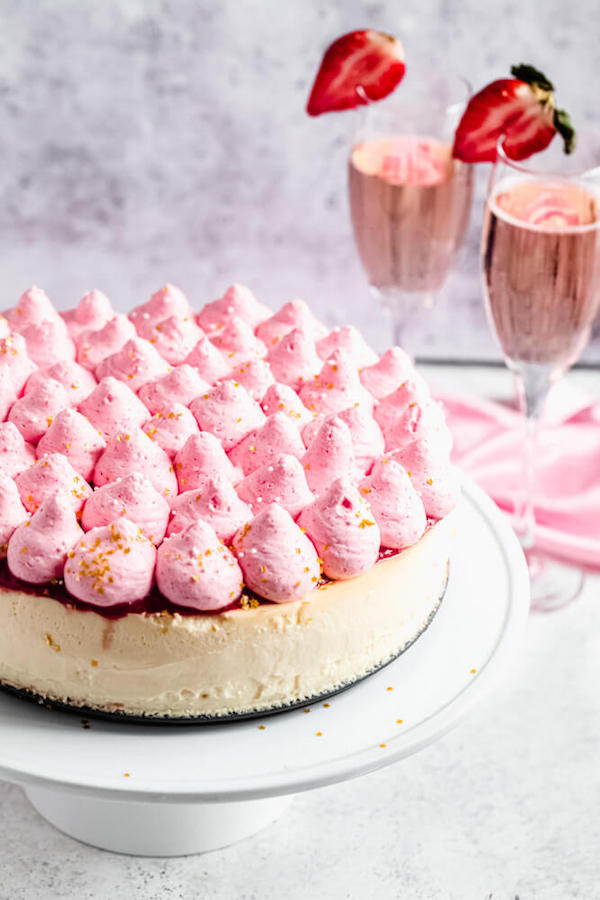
x=505 y=806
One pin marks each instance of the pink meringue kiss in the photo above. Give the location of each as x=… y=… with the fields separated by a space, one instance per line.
x=388 y=373
x=200 y=458
x=341 y=526
x=92 y=312
x=407 y=395
x=283 y=481
x=426 y=421
x=94 y=346
x=15 y=360
x=367 y=438
x=336 y=387
x=16 y=455
x=294 y=359
x=217 y=503
x=12 y=511
x=255 y=376
x=77 y=381
x=351 y=342
x=238 y=343
x=262 y=446
x=52 y=474
x=194 y=569
x=113 y=407
x=330 y=455
x=76 y=438
x=33 y=413
x=171 y=427
x=432 y=475
x=239 y=301
x=395 y=504
x=295 y=314
x=111 y=565
x=136 y=363
x=38 y=548
x=209 y=363
x=48 y=341
x=181 y=385
x=133 y=497
x=33 y=306
x=282 y=398
x=167 y=301
x=8 y=393
x=278 y=561
x=173 y=338
x=134 y=451
x=229 y=412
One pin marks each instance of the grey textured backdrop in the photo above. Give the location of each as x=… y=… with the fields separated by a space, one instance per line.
x=142 y=142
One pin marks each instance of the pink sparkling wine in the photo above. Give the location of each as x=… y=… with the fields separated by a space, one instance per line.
x=541 y=260
x=410 y=204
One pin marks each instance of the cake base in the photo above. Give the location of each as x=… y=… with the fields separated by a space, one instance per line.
x=118 y=716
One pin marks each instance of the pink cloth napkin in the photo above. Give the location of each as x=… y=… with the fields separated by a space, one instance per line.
x=488 y=440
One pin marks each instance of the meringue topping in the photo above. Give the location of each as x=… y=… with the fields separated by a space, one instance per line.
x=215 y=502
x=294 y=359
x=133 y=497
x=238 y=343
x=113 y=407
x=336 y=387
x=395 y=504
x=52 y=474
x=34 y=412
x=33 y=306
x=77 y=381
x=341 y=525
x=388 y=373
x=209 y=363
x=282 y=398
x=38 y=548
x=367 y=439
x=12 y=511
x=201 y=457
x=48 y=341
x=330 y=455
x=16 y=454
x=239 y=301
x=194 y=569
x=283 y=481
x=136 y=363
x=180 y=385
x=277 y=559
x=171 y=427
x=92 y=312
x=227 y=411
x=111 y=565
x=94 y=346
x=255 y=376
x=351 y=342
x=173 y=337
x=15 y=360
x=295 y=314
x=277 y=435
x=433 y=476
x=134 y=451
x=167 y=301
x=8 y=394
x=76 y=438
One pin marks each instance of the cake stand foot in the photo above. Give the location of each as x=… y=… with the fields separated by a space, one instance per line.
x=154 y=828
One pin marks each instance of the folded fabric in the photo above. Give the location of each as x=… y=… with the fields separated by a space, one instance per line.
x=488 y=446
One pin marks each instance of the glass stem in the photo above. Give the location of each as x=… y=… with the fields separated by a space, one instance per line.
x=405 y=311
x=533 y=384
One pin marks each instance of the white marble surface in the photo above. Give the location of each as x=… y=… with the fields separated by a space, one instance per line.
x=144 y=141
x=503 y=807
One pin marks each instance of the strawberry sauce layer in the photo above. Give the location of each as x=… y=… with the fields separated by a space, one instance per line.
x=211 y=477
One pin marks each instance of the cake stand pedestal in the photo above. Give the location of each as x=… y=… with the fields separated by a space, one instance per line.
x=157 y=790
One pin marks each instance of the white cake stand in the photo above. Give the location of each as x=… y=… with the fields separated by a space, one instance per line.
x=170 y=791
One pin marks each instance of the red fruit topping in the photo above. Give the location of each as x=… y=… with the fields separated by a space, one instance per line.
x=359 y=67
x=522 y=108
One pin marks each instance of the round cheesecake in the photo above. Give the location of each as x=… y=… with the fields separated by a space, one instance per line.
x=211 y=514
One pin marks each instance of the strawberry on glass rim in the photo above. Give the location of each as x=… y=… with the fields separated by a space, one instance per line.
x=358 y=68
x=522 y=109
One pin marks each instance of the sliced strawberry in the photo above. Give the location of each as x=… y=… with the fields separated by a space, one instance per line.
x=357 y=68
x=522 y=108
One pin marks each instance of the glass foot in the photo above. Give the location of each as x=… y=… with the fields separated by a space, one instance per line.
x=553 y=584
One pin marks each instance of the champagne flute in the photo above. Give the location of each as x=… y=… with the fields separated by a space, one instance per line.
x=541 y=272
x=410 y=200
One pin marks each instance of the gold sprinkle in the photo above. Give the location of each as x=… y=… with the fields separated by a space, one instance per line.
x=261 y=727
x=327 y=705
x=319 y=733
x=399 y=721
x=383 y=745
x=473 y=671
x=389 y=689
x=94 y=662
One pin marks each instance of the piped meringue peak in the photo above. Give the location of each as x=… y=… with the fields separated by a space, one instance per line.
x=336 y=387
x=111 y=565
x=278 y=561
x=201 y=457
x=217 y=503
x=133 y=497
x=194 y=569
x=395 y=504
x=341 y=525
x=277 y=435
x=283 y=481
x=231 y=427
x=38 y=548
x=238 y=301
x=229 y=412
